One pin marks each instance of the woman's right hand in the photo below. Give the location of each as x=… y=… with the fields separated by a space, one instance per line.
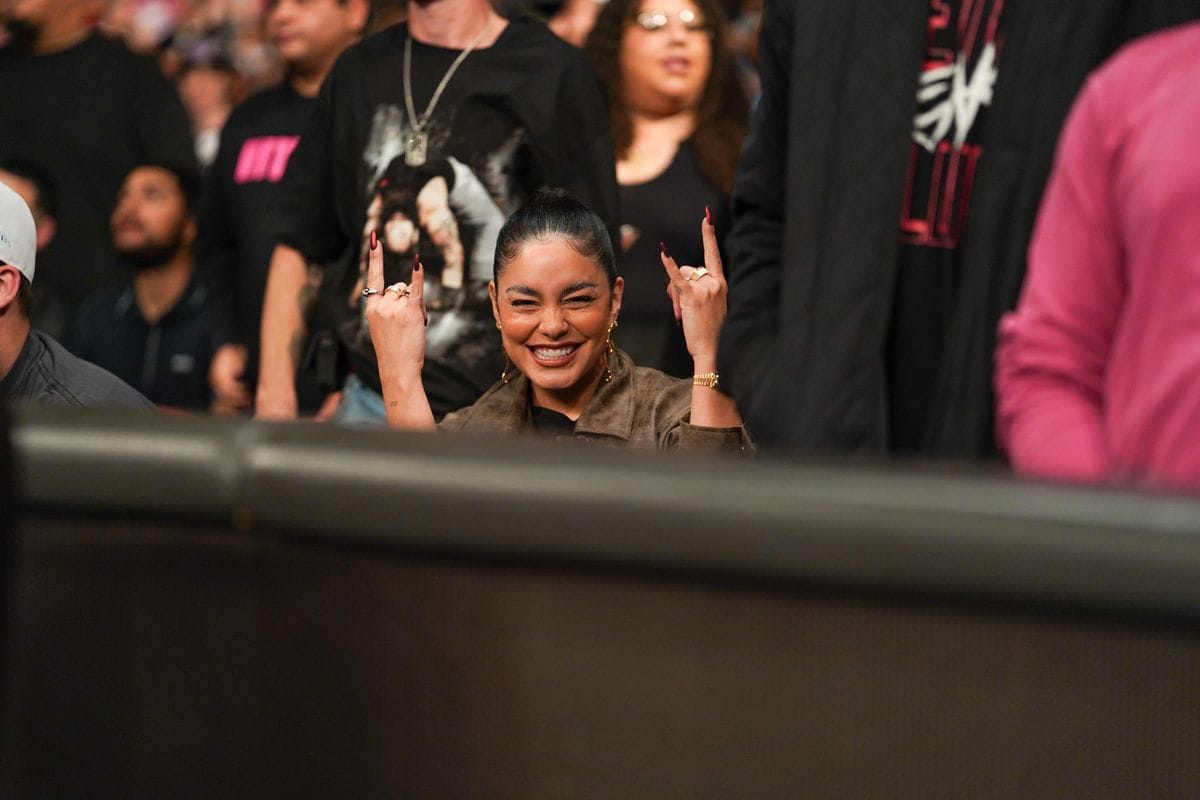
x=396 y=318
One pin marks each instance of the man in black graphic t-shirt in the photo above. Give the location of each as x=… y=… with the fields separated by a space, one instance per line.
x=433 y=157
x=235 y=243
x=883 y=205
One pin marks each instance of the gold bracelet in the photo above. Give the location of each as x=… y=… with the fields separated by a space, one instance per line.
x=708 y=379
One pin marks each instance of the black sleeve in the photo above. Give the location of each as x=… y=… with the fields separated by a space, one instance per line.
x=163 y=130
x=757 y=206
x=305 y=215
x=217 y=260
x=579 y=142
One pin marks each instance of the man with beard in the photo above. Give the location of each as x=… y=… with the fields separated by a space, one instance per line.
x=150 y=331
x=89 y=110
x=234 y=246
x=33 y=367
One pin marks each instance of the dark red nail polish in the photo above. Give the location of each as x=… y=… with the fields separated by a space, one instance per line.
x=662 y=246
x=708 y=216
x=374 y=241
x=416 y=262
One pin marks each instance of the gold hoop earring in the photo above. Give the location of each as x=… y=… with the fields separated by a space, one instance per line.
x=507 y=363
x=609 y=349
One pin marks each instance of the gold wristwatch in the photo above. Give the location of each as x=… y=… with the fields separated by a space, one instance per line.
x=708 y=379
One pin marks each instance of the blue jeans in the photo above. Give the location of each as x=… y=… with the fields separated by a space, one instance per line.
x=360 y=405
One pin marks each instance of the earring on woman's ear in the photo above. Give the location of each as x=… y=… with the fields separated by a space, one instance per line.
x=507 y=363
x=609 y=349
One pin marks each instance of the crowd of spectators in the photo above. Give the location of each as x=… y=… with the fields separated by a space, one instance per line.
x=207 y=181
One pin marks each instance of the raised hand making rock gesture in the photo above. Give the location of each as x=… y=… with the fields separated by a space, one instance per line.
x=397 y=318
x=700 y=296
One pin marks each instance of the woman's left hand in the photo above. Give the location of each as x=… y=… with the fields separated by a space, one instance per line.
x=699 y=295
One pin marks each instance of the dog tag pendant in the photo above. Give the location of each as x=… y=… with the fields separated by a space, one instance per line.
x=415 y=147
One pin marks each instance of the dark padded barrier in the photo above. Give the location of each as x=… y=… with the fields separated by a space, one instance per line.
x=209 y=609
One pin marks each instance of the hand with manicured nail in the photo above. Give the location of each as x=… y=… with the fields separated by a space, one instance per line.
x=699 y=297
x=396 y=317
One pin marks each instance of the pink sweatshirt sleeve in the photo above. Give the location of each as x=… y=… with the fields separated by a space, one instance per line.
x=1052 y=352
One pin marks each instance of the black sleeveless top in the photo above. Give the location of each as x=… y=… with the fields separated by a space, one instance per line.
x=665 y=209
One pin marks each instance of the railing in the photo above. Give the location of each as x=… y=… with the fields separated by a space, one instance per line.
x=845 y=525
x=226 y=608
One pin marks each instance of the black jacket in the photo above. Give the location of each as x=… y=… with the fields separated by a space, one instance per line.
x=817 y=198
x=166 y=360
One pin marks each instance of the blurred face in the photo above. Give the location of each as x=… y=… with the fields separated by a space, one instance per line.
x=151 y=222
x=27 y=20
x=31 y=12
x=665 y=56
x=206 y=93
x=400 y=234
x=309 y=33
x=555 y=309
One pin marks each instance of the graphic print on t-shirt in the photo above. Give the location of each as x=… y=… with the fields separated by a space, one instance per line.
x=958 y=75
x=264 y=159
x=449 y=210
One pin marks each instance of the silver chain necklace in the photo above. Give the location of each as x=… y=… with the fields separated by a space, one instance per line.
x=416 y=144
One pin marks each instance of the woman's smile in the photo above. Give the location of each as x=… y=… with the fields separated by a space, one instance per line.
x=554 y=356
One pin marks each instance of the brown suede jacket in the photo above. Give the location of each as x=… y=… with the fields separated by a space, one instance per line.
x=640 y=408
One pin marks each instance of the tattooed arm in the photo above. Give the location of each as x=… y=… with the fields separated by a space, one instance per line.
x=291 y=291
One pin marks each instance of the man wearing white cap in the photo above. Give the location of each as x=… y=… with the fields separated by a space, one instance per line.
x=34 y=367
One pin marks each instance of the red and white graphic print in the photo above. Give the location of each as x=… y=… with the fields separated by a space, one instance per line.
x=958 y=75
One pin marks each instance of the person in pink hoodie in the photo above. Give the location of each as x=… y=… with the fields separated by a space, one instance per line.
x=1098 y=369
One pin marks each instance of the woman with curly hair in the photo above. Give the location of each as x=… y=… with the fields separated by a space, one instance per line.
x=678 y=115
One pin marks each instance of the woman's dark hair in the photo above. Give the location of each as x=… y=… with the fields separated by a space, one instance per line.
x=723 y=109
x=556 y=214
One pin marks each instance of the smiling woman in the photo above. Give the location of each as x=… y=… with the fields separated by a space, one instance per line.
x=556 y=297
